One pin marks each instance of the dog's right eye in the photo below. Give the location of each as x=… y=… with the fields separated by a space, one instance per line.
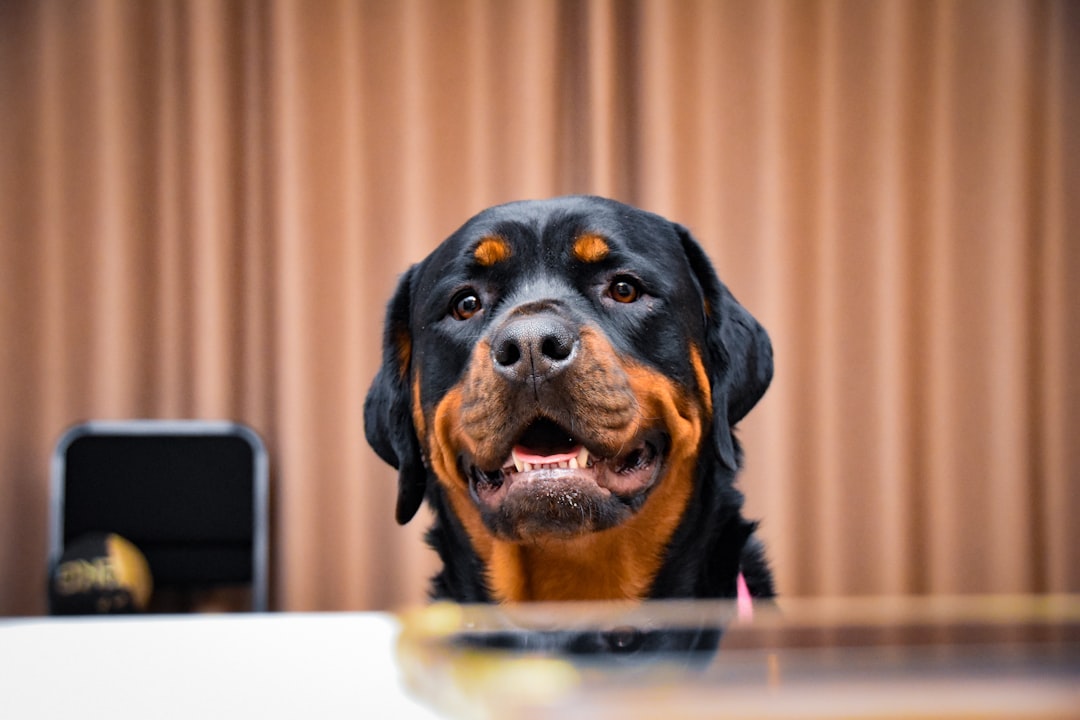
x=624 y=289
x=465 y=304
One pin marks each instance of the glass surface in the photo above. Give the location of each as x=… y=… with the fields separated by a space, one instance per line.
x=874 y=657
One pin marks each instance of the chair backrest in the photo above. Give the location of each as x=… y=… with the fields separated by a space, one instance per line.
x=191 y=495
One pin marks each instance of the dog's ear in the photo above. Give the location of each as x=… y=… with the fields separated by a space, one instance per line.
x=738 y=354
x=388 y=420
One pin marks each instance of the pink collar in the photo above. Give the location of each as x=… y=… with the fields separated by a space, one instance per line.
x=744 y=604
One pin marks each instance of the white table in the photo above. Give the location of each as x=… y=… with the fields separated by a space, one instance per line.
x=220 y=666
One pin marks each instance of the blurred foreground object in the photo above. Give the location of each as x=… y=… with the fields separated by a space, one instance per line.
x=988 y=657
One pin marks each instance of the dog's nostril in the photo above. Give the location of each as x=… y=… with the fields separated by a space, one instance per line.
x=508 y=354
x=556 y=348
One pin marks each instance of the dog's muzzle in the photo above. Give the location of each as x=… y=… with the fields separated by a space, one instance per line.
x=556 y=448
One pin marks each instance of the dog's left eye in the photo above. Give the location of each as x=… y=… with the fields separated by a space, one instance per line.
x=624 y=290
x=465 y=304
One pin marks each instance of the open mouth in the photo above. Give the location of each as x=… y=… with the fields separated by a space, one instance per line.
x=548 y=461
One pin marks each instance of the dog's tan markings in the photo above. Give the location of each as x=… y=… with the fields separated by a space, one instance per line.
x=491 y=250
x=591 y=248
x=403 y=351
x=702 y=378
x=445 y=443
x=419 y=422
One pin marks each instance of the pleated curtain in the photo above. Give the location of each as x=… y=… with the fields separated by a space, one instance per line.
x=205 y=205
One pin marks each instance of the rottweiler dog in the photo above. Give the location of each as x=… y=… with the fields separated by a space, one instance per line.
x=560 y=380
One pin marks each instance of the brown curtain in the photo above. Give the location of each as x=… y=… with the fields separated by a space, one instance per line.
x=204 y=206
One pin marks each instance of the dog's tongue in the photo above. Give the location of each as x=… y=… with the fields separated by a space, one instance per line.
x=524 y=454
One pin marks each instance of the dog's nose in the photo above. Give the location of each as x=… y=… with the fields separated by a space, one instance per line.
x=534 y=347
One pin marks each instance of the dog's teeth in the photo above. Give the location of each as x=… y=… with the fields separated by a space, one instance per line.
x=579 y=461
x=583 y=458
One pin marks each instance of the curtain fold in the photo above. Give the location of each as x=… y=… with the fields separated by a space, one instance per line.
x=205 y=206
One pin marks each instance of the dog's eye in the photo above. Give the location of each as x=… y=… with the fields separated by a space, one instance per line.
x=465 y=304
x=624 y=290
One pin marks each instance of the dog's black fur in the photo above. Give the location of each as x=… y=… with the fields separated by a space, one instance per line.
x=688 y=306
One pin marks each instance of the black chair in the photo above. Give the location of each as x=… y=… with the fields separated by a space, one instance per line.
x=191 y=495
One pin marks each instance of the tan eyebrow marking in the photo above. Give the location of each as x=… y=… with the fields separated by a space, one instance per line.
x=591 y=248
x=492 y=249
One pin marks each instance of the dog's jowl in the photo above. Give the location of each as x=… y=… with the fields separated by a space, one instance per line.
x=560 y=381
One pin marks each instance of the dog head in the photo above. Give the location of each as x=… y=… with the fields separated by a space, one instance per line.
x=557 y=368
